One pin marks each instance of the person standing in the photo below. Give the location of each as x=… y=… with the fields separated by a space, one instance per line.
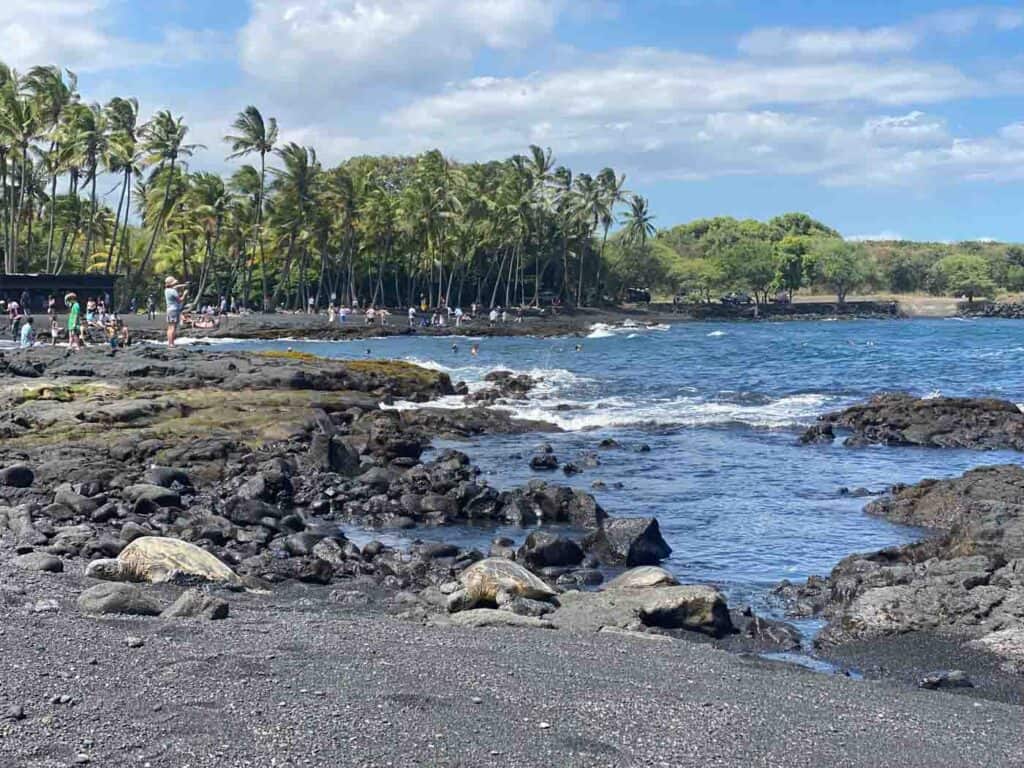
x=151 y=307
x=174 y=299
x=74 y=312
x=28 y=332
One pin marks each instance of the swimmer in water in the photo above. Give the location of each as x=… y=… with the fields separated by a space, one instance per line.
x=474 y=350
x=579 y=347
x=367 y=351
x=455 y=347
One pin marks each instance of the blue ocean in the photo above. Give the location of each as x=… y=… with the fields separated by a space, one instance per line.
x=721 y=407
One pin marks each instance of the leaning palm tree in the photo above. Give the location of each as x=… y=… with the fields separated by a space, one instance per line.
x=253 y=134
x=164 y=144
x=613 y=192
x=124 y=157
x=638 y=222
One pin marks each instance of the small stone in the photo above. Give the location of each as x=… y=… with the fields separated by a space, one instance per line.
x=46 y=606
x=134 y=642
x=477 y=700
x=82 y=759
x=14 y=712
x=543 y=726
x=158 y=707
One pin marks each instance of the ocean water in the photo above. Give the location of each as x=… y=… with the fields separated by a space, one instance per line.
x=721 y=407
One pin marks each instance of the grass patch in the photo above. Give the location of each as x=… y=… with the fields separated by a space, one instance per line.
x=394 y=369
x=289 y=354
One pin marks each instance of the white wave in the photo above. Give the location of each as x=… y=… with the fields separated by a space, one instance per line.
x=717 y=333
x=933 y=395
x=794 y=410
x=600 y=333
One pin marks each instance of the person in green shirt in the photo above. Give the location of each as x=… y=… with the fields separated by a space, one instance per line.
x=74 y=310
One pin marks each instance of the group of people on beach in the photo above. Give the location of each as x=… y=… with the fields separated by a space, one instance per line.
x=97 y=320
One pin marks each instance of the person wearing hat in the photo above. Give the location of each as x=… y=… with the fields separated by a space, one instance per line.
x=174 y=295
x=74 y=311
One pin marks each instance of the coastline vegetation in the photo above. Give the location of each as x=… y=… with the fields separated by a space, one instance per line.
x=98 y=188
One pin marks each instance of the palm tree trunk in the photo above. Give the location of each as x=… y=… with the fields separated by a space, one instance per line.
x=53 y=221
x=117 y=220
x=92 y=220
x=259 y=229
x=156 y=224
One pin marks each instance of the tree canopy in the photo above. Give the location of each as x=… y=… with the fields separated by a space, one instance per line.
x=101 y=187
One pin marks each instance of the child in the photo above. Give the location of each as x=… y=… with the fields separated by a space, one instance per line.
x=54 y=329
x=28 y=333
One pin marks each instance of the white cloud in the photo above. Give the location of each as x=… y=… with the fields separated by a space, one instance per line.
x=342 y=44
x=78 y=34
x=827 y=43
x=832 y=43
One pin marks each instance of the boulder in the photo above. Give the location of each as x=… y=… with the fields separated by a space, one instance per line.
x=194 y=604
x=696 y=608
x=628 y=541
x=938 y=422
x=168 y=477
x=332 y=453
x=543 y=549
x=544 y=462
x=39 y=561
x=156 y=495
x=642 y=577
x=17 y=476
x=115 y=598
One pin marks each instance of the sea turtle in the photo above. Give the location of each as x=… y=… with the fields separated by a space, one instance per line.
x=158 y=559
x=496 y=581
x=642 y=577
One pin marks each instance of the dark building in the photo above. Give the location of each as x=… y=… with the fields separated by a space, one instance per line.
x=39 y=288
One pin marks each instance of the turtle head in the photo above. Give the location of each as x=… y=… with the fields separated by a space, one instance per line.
x=108 y=569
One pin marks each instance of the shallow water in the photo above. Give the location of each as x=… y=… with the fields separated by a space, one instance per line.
x=721 y=406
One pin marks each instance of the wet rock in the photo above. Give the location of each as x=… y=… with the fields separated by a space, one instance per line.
x=628 y=541
x=194 y=604
x=818 y=433
x=117 y=598
x=523 y=606
x=544 y=462
x=333 y=453
x=503 y=546
x=940 y=422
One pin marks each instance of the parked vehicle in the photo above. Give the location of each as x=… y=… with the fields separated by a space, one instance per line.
x=638 y=296
x=737 y=299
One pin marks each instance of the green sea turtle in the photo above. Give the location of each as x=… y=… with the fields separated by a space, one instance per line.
x=496 y=581
x=642 y=577
x=158 y=559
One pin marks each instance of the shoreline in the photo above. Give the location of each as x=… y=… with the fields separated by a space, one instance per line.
x=208 y=403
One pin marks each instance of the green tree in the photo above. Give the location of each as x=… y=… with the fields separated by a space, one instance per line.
x=789 y=263
x=842 y=266
x=966 y=274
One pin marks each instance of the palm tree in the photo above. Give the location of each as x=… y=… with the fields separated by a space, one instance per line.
x=122 y=156
x=295 y=185
x=613 y=192
x=54 y=98
x=164 y=145
x=92 y=130
x=255 y=135
x=639 y=223
x=19 y=122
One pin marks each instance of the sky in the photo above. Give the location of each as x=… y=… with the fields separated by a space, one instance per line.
x=895 y=119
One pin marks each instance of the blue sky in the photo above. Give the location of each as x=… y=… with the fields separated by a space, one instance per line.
x=881 y=118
